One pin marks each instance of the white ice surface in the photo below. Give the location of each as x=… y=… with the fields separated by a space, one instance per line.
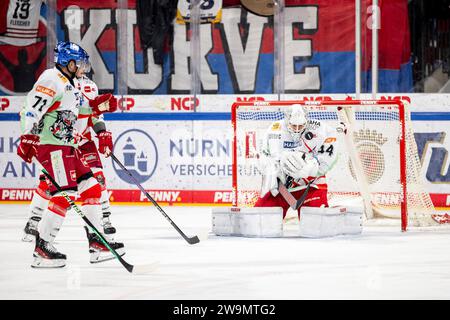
x=382 y=263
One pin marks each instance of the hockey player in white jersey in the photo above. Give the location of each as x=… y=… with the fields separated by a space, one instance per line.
x=48 y=133
x=298 y=151
x=86 y=122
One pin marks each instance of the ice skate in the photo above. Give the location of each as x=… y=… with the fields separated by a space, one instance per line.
x=30 y=230
x=99 y=252
x=107 y=225
x=47 y=256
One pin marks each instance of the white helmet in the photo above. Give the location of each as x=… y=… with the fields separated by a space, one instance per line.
x=296 y=121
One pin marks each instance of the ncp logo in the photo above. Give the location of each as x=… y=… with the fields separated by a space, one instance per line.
x=138 y=153
x=4 y=103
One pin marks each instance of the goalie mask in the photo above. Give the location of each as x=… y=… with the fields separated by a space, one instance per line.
x=297 y=121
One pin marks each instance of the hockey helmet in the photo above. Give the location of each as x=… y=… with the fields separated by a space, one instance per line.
x=66 y=51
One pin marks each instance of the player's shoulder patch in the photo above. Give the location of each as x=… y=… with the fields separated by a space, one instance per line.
x=62 y=77
x=313 y=124
x=276 y=126
x=89 y=87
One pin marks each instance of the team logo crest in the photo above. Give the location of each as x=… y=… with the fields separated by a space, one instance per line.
x=368 y=144
x=62 y=128
x=138 y=153
x=73 y=175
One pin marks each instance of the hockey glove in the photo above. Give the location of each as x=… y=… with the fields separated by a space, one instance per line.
x=297 y=166
x=105 y=143
x=103 y=103
x=27 y=148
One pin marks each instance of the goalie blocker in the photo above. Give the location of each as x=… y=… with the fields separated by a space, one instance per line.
x=268 y=222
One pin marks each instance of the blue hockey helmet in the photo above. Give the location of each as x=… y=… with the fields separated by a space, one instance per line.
x=66 y=51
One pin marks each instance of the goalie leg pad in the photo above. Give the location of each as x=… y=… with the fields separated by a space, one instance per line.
x=329 y=222
x=248 y=222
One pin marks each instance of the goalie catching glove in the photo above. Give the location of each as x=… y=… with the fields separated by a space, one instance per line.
x=297 y=165
x=103 y=103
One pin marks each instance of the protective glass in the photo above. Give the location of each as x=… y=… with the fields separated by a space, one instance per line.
x=84 y=65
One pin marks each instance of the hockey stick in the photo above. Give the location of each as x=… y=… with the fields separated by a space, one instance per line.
x=130 y=268
x=190 y=240
x=290 y=199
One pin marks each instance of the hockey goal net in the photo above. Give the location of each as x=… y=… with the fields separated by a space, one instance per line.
x=378 y=165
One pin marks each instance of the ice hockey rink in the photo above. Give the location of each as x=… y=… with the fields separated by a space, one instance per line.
x=381 y=263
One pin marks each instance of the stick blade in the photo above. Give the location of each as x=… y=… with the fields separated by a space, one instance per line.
x=193 y=240
x=145 y=268
x=203 y=235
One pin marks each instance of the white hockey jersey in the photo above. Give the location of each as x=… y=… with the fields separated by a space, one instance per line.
x=51 y=108
x=86 y=119
x=317 y=141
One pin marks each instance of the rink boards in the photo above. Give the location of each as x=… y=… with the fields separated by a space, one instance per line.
x=180 y=148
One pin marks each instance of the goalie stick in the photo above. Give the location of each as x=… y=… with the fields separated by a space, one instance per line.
x=142 y=269
x=190 y=240
x=290 y=199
